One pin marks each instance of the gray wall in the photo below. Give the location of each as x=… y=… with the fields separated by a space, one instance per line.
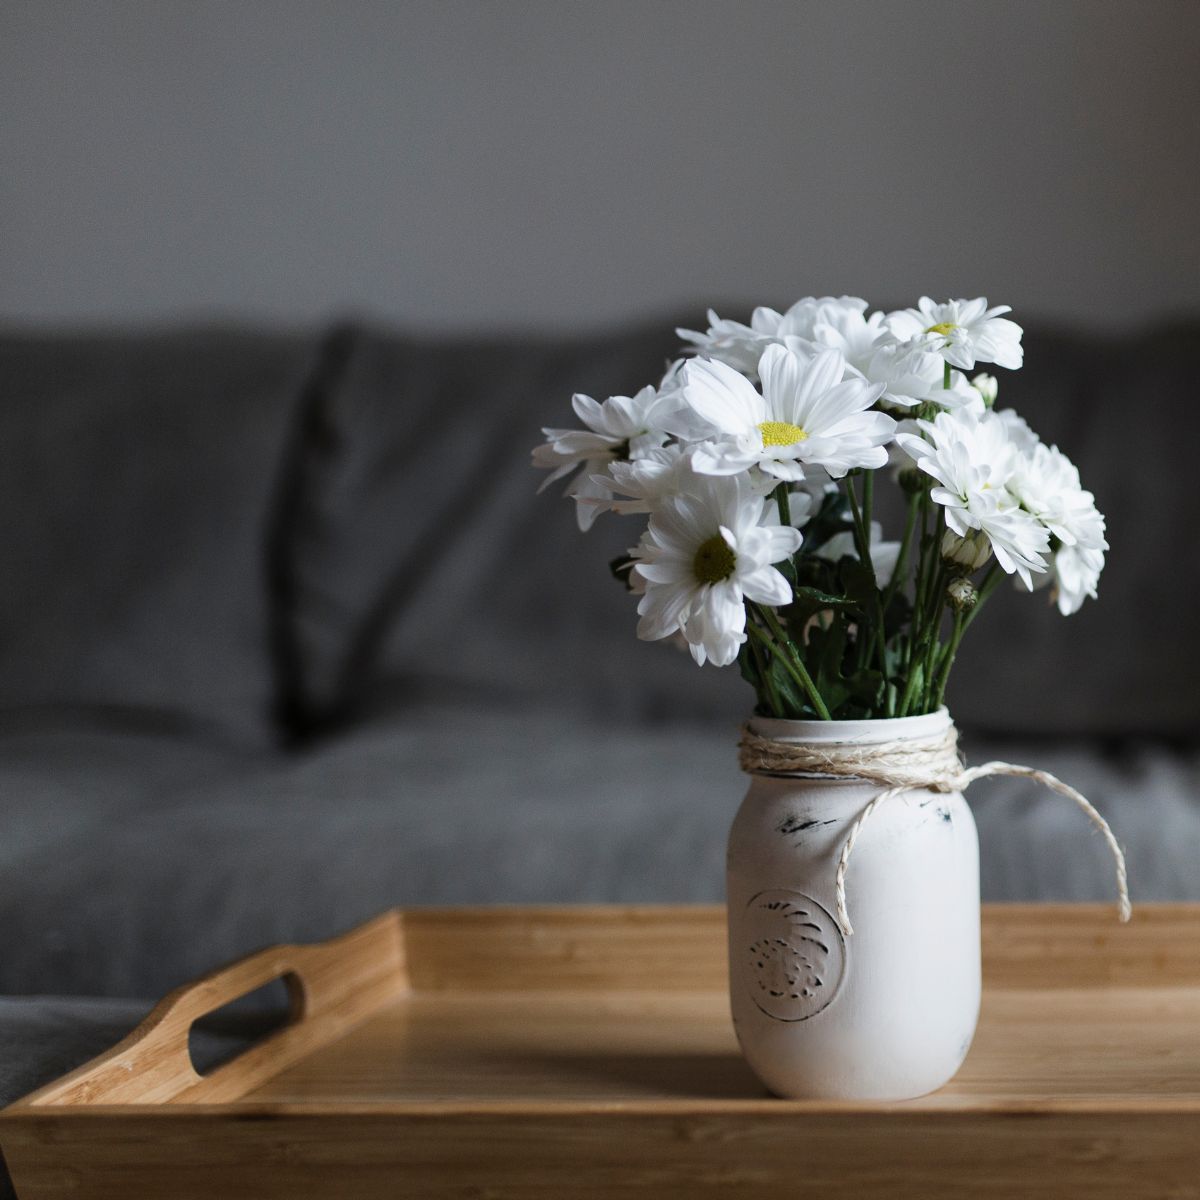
x=553 y=163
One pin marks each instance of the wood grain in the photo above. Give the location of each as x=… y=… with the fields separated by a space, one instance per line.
x=507 y=1053
x=333 y=986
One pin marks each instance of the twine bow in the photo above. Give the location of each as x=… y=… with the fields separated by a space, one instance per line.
x=901 y=766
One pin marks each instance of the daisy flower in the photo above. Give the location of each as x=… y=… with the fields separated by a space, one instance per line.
x=912 y=375
x=1047 y=485
x=642 y=483
x=988 y=387
x=1076 y=572
x=707 y=550
x=973 y=459
x=807 y=414
x=847 y=328
x=741 y=346
x=620 y=428
x=963 y=332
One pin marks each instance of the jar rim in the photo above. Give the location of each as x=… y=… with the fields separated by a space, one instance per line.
x=864 y=732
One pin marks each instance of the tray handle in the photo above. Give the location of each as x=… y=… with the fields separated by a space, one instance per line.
x=331 y=985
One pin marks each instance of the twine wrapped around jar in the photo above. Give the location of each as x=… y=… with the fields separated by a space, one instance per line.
x=901 y=766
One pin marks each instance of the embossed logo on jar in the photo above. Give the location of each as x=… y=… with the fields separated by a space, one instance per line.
x=795 y=956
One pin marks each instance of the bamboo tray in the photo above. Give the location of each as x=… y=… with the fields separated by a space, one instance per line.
x=587 y=1052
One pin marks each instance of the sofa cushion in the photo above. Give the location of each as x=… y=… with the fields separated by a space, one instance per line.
x=422 y=564
x=1128 y=662
x=425 y=567
x=461 y=806
x=138 y=478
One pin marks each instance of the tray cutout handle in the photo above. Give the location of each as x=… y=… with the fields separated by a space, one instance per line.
x=332 y=986
x=233 y=1028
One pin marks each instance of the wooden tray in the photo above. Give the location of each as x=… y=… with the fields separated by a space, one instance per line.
x=587 y=1052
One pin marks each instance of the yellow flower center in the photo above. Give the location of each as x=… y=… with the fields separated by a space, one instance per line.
x=945 y=328
x=780 y=433
x=714 y=560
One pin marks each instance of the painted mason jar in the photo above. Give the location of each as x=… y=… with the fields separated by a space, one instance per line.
x=888 y=1012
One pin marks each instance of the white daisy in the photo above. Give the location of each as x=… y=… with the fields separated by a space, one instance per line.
x=1046 y=482
x=963 y=332
x=988 y=387
x=973 y=458
x=1018 y=430
x=741 y=346
x=639 y=485
x=808 y=414
x=1076 y=571
x=705 y=553
x=847 y=328
x=912 y=375
x=622 y=427
x=1047 y=485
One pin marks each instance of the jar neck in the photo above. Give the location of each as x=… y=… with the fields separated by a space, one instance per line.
x=862 y=733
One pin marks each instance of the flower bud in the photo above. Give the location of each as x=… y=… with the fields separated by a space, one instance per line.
x=966 y=553
x=913 y=480
x=988 y=387
x=962 y=594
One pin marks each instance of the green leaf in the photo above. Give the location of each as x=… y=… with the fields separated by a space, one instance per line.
x=809 y=600
x=832 y=517
x=858 y=581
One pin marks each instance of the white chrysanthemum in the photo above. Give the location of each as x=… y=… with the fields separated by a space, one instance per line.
x=1047 y=485
x=848 y=328
x=963 y=332
x=1046 y=482
x=622 y=427
x=705 y=553
x=1018 y=430
x=883 y=554
x=741 y=346
x=807 y=414
x=639 y=485
x=988 y=387
x=1076 y=572
x=912 y=374
x=973 y=458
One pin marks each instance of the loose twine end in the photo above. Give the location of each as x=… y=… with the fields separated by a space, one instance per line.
x=903 y=766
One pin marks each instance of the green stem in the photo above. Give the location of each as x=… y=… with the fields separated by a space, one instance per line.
x=962 y=622
x=938 y=603
x=862 y=540
x=768 y=680
x=915 y=672
x=991 y=581
x=862 y=535
x=784 y=502
x=948 y=654
x=910 y=520
x=781 y=646
x=920 y=588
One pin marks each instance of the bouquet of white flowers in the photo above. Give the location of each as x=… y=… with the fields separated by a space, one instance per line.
x=754 y=460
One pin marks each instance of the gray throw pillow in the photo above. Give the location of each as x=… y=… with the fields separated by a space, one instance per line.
x=139 y=476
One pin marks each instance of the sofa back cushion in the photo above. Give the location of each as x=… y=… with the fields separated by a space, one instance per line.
x=138 y=478
x=423 y=566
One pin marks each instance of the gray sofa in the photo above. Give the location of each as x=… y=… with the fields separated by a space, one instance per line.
x=289 y=638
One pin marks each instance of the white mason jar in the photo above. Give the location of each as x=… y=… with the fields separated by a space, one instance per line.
x=889 y=1012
